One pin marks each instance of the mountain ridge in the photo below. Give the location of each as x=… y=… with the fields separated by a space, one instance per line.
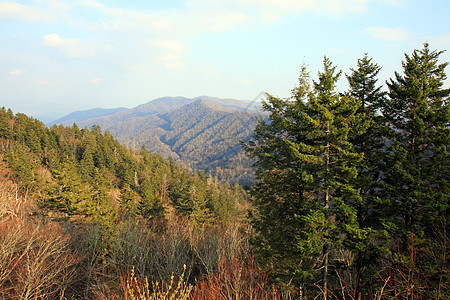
x=202 y=132
x=85 y=114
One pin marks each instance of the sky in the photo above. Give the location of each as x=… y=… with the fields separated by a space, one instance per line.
x=59 y=56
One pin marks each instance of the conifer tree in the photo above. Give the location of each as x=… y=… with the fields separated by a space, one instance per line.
x=367 y=140
x=151 y=204
x=305 y=169
x=6 y=131
x=69 y=194
x=417 y=162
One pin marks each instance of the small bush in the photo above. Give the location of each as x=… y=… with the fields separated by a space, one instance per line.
x=141 y=290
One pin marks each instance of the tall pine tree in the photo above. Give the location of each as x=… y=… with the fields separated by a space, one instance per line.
x=306 y=167
x=368 y=141
x=416 y=181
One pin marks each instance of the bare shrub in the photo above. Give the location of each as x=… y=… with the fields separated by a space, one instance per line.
x=216 y=244
x=35 y=261
x=12 y=203
x=236 y=278
x=155 y=254
x=176 y=289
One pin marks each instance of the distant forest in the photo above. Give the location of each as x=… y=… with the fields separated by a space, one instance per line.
x=351 y=201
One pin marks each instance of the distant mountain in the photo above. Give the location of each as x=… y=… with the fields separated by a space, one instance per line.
x=202 y=132
x=82 y=115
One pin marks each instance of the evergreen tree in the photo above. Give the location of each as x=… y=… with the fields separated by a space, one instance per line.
x=367 y=140
x=151 y=204
x=305 y=168
x=69 y=194
x=417 y=163
x=6 y=121
x=129 y=201
x=87 y=157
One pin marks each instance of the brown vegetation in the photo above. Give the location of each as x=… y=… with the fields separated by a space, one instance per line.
x=166 y=259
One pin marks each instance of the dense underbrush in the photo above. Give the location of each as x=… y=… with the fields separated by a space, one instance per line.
x=167 y=259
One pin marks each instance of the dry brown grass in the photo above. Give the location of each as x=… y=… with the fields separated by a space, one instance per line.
x=159 y=251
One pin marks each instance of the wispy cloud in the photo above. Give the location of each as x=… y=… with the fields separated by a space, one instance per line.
x=16 y=72
x=331 y=7
x=195 y=16
x=146 y=41
x=73 y=47
x=48 y=83
x=95 y=80
x=441 y=40
x=275 y=10
x=15 y=11
x=388 y=34
x=171 y=53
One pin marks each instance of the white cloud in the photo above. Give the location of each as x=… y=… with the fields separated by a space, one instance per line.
x=16 y=72
x=301 y=6
x=146 y=41
x=274 y=10
x=388 y=34
x=208 y=70
x=171 y=53
x=173 y=46
x=95 y=80
x=15 y=11
x=72 y=47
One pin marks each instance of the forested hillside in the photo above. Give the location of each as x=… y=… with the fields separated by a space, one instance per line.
x=75 y=171
x=203 y=133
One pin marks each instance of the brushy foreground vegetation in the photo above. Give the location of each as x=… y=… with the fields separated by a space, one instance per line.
x=44 y=259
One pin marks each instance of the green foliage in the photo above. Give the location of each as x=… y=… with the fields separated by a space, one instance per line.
x=367 y=139
x=306 y=167
x=416 y=182
x=80 y=173
x=68 y=193
x=418 y=114
x=25 y=165
x=351 y=186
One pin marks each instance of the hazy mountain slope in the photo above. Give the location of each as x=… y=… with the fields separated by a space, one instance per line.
x=82 y=115
x=203 y=132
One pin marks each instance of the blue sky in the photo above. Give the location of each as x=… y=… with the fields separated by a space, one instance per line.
x=60 y=56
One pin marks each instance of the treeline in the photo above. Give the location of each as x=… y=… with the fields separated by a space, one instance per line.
x=84 y=173
x=352 y=195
